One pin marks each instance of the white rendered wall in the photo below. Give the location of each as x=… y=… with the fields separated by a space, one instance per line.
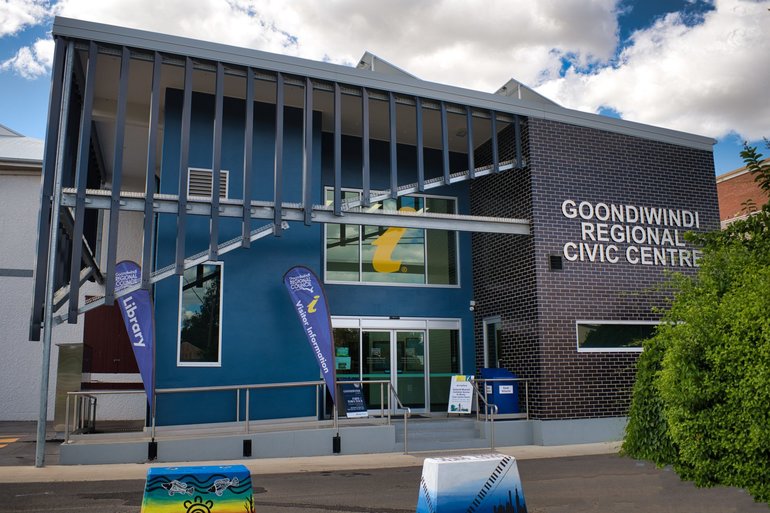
x=21 y=362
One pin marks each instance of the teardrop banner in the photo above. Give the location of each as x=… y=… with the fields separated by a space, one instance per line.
x=136 y=308
x=309 y=300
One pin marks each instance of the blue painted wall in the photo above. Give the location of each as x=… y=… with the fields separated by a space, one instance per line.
x=262 y=341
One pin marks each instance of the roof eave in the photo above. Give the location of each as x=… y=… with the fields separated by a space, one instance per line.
x=206 y=50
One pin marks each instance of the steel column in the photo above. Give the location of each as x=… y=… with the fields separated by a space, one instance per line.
x=469 y=138
x=337 y=150
x=278 y=163
x=46 y=188
x=517 y=135
x=393 y=148
x=307 y=150
x=248 y=143
x=117 y=177
x=444 y=144
x=149 y=185
x=81 y=180
x=50 y=279
x=216 y=162
x=495 y=147
x=420 y=145
x=184 y=158
x=365 y=156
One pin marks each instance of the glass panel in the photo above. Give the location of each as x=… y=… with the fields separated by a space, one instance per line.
x=410 y=361
x=394 y=255
x=376 y=365
x=444 y=363
x=199 y=335
x=347 y=354
x=493 y=342
x=442 y=246
x=614 y=336
x=342 y=246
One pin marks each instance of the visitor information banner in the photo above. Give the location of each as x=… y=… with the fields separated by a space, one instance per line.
x=309 y=302
x=136 y=308
x=460 y=395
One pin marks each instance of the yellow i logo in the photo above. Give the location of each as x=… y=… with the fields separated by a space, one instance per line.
x=311 y=305
x=382 y=261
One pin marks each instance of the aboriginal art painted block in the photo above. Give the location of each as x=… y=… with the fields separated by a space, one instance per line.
x=202 y=489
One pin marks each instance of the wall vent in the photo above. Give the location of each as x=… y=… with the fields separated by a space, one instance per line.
x=555 y=262
x=199 y=182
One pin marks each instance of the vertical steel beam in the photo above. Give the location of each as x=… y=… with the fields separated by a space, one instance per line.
x=366 y=168
x=248 y=157
x=278 y=167
x=117 y=177
x=184 y=159
x=469 y=137
x=46 y=187
x=517 y=136
x=149 y=184
x=495 y=147
x=50 y=279
x=393 y=147
x=444 y=144
x=307 y=150
x=216 y=162
x=337 y=150
x=420 y=146
x=81 y=179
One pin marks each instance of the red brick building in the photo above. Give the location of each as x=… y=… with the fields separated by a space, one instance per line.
x=734 y=189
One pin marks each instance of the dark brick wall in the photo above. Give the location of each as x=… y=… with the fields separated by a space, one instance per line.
x=539 y=307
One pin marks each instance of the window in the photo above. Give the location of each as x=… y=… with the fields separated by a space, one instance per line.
x=613 y=335
x=492 y=341
x=201 y=309
x=392 y=255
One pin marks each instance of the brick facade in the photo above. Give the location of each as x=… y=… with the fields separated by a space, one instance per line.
x=539 y=307
x=736 y=189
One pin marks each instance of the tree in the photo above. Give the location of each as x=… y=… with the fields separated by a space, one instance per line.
x=702 y=397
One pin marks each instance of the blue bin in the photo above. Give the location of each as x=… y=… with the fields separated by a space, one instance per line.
x=505 y=394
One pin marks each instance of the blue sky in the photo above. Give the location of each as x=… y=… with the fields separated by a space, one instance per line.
x=691 y=65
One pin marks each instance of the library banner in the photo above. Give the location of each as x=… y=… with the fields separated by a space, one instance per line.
x=136 y=308
x=309 y=302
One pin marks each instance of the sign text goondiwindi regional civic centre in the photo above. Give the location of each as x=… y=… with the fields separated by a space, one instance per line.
x=638 y=235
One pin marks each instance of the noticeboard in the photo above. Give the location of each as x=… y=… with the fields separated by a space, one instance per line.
x=460 y=395
x=353 y=400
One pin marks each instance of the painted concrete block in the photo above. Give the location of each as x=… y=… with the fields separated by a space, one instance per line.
x=487 y=483
x=202 y=489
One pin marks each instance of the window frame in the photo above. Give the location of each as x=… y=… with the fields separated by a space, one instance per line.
x=609 y=349
x=360 y=249
x=218 y=363
x=485 y=322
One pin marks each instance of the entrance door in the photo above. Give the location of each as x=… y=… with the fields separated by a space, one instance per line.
x=397 y=356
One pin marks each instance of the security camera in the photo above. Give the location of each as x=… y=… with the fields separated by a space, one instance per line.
x=472 y=306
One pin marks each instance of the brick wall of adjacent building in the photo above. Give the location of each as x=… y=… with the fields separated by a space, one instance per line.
x=735 y=189
x=539 y=307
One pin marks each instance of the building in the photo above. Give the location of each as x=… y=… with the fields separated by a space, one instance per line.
x=739 y=195
x=453 y=229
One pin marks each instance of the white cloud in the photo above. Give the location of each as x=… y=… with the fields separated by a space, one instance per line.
x=473 y=44
x=711 y=78
x=31 y=61
x=17 y=14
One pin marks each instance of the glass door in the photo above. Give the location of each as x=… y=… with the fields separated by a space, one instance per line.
x=410 y=368
x=376 y=366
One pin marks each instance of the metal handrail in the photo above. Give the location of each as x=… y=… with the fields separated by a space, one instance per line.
x=407 y=414
x=487 y=408
x=523 y=380
x=81 y=420
x=385 y=413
